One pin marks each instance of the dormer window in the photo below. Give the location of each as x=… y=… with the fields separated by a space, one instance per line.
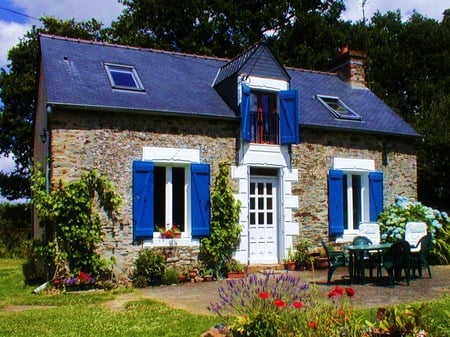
x=123 y=77
x=338 y=108
x=269 y=117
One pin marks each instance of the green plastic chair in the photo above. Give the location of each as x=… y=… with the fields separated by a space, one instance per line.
x=397 y=259
x=335 y=260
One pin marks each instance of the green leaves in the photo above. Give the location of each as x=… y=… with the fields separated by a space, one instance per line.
x=217 y=249
x=69 y=215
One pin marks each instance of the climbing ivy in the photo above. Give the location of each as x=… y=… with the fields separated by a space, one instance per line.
x=70 y=217
x=217 y=249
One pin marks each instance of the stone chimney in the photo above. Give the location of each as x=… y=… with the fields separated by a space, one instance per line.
x=350 y=65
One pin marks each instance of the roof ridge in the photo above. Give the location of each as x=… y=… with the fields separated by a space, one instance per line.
x=115 y=45
x=311 y=71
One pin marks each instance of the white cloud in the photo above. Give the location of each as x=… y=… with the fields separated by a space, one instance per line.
x=10 y=32
x=103 y=10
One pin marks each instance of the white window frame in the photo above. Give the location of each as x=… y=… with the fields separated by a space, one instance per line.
x=351 y=115
x=169 y=197
x=362 y=167
x=126 y=69
x=364 y=197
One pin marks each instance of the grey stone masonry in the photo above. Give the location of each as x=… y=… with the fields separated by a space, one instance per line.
x=110 y=142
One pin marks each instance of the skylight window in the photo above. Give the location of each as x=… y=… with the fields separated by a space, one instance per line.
x=338 y=108
x=124 y=77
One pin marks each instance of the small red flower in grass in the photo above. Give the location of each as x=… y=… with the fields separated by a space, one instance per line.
x=297 y=305
x=264 y=295
x=279 y=303
x=312 y=325
x=349 y=291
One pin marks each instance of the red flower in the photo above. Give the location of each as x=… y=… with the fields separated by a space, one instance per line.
x=337 y=291
x=279 y=303
x=349 y=291
x=264 y=295
x=297 y=305
x=312 y=325
x=84 y=276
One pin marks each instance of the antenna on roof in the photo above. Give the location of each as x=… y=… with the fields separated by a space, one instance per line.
x=362 y=5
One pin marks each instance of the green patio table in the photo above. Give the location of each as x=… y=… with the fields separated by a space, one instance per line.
x=359 y=250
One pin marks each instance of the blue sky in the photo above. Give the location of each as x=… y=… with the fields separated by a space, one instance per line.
x=18 y=16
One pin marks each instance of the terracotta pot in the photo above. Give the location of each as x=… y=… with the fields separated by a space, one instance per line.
x=236 y=274
x=290 y=265
x=321 y=262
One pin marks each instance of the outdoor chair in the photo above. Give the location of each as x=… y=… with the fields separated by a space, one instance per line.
x=414 y=231
x=419 y=259
x=370 y=230
x=397 y=259
x=335 y=260
x=364 y=259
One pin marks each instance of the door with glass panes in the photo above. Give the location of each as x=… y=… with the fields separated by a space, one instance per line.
x=263 y=238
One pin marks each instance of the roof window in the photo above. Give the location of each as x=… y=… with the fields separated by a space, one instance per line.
x=124 y=77
x=338 y=108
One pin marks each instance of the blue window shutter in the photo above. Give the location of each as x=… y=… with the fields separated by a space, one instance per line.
x=143 y=213
x=200 y=199
x=246 y=132
x=335 y=202
x=289 y=117
x=376 y=194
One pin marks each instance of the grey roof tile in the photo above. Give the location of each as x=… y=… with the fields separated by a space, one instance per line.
x=75 y=76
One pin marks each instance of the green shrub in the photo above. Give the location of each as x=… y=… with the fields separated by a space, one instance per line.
x=170 y=276
x=15 y=229
x=149 y=266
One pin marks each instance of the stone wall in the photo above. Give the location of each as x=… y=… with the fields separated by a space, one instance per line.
x=110 y=143
x=313 y=158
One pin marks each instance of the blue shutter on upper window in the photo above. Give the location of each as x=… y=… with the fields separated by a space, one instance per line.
x=289 y=117
x=200 y=199
x=143 y=209
x=336 y=202
x=376 y=194
x=246 y=132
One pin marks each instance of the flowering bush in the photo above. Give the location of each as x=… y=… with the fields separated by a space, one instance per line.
x=393 y=221
x=283 y=305
x=81 y=281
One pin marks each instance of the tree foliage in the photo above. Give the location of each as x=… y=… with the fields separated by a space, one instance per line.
x=18 y=94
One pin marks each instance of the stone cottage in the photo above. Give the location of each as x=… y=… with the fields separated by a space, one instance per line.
x=311 y=152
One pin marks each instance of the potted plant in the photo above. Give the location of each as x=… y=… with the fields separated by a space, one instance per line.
x=170 y=231
x=301 y=255
x=290 y=260
x=235 y=269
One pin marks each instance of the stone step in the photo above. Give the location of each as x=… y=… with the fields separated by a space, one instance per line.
x=253 y=268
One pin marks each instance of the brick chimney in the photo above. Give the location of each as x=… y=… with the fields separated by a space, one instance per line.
x=350 y=65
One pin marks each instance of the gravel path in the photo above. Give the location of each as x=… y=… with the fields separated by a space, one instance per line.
x=194 y=297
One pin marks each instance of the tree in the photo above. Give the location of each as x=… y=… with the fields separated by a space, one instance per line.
x=18 y=92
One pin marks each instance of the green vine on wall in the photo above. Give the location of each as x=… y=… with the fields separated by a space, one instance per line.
x=71 y=221
x=216 y=250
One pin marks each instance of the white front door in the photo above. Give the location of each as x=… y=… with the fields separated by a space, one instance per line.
x=263 y=221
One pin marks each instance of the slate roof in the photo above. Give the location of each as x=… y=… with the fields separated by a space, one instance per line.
x=175 y=83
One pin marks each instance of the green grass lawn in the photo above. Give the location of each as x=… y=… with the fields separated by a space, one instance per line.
x=83 y=315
